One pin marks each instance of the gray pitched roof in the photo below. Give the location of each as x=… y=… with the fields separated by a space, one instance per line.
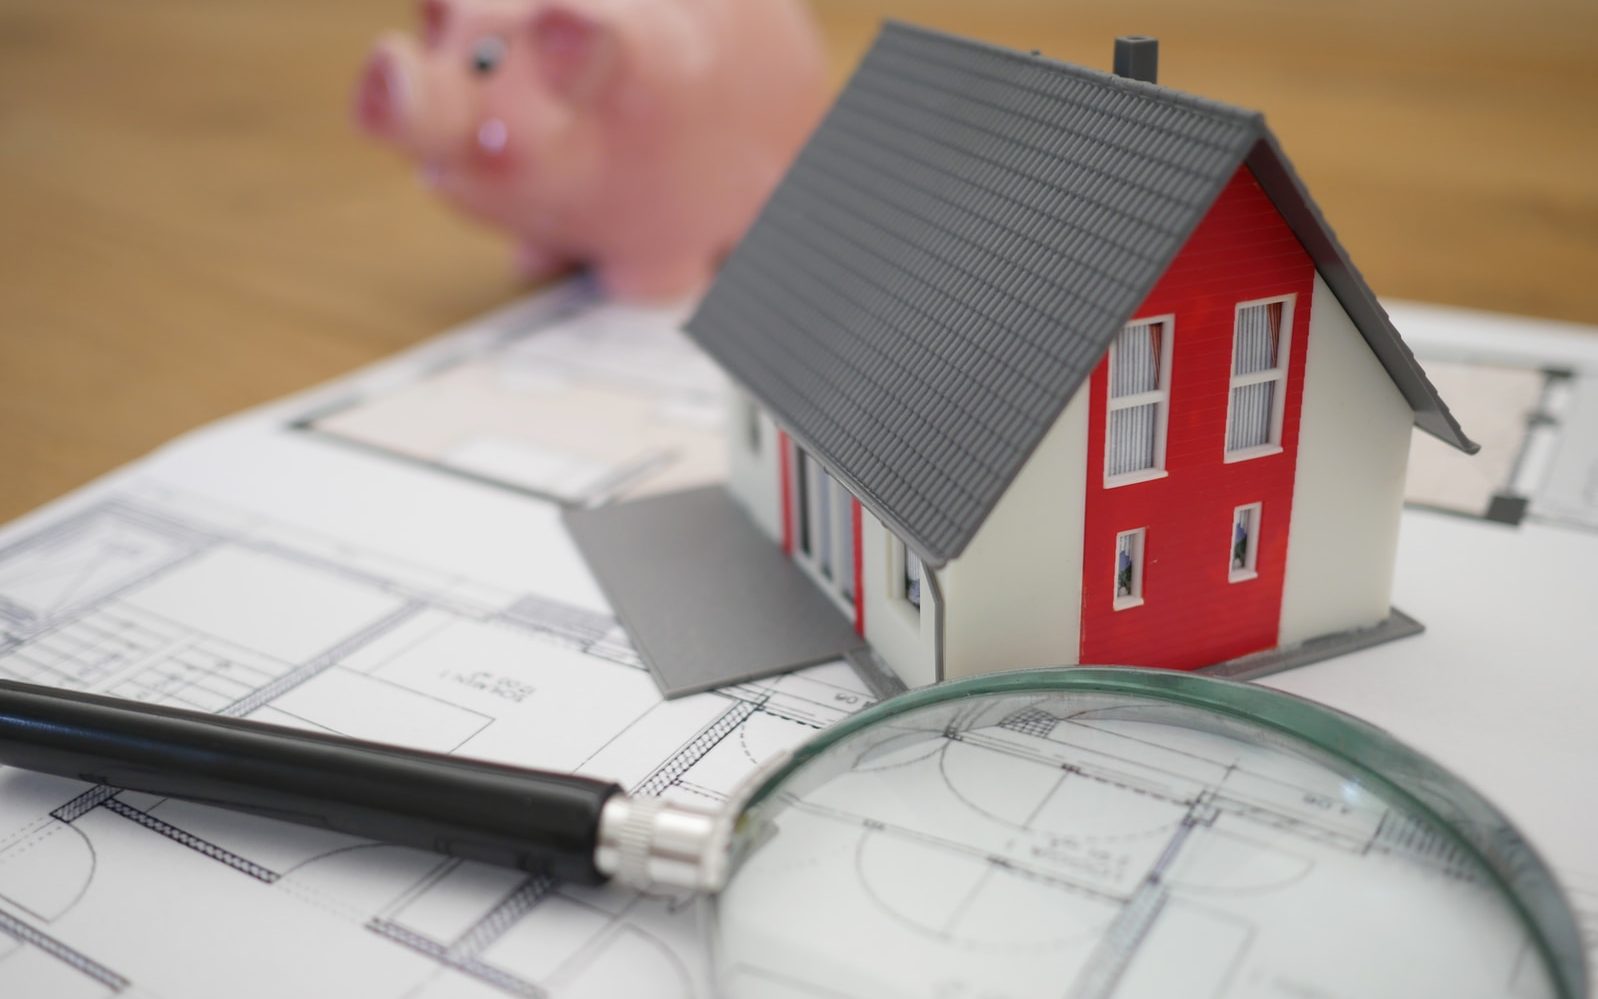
x=950 y=254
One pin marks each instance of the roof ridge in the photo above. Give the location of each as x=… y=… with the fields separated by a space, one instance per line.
x=1155 y=91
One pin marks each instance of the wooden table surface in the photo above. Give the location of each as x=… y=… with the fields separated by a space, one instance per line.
x=188 y=225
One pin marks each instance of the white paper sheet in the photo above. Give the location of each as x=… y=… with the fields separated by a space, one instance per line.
x=605 y=402
x=259 y=569
x=262 y=571
x=1526 y=390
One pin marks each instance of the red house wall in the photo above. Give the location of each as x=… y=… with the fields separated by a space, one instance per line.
x=1191 y=614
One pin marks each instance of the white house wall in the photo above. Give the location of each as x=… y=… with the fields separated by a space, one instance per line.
x=902 y=636
x=754 y=476
x=1354 y=434
x=907 y=640
x=1014 y=597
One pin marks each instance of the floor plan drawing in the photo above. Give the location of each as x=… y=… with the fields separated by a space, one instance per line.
x=383 y=557
x=1527 y=389
x=578 y=401
x=1111 y=851
x=1522 y=417
x=164 y=599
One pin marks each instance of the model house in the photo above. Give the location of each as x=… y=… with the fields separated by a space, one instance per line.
x=1041 y=365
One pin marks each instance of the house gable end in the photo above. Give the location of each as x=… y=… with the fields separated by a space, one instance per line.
x=1185 y=607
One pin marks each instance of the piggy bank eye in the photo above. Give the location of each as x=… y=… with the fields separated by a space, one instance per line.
x=487 y=54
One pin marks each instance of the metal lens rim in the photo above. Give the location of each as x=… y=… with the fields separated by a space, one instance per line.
x=1408 y=777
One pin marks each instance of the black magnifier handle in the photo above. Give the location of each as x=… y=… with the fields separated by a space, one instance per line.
x=547 y=823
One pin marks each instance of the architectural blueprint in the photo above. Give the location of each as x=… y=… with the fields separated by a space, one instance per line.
x=152 y=596
x=1528 y=390
x=282 y=567
x=578 y=401
x=257 y=571
x=1120 y=849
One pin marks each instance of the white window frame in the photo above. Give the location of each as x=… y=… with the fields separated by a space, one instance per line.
x=804 y=532
x=1160 y=395
x=1139 y=543
x=1250 y=568
x=752 y=430
x=1278 y=374
x=824 y=515
x=843 y=553
x=900 y=558
x=837 y=580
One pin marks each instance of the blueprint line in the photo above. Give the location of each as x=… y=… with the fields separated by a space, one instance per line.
x=500 y=918
x=84 y=803
x=17 y=930
x=277 y=688
x=667 y=774
x=188 y=839
x=482 y=971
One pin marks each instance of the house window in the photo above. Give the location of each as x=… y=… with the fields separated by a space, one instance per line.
x=1245 y=542
x=1129 y=568
x=1140 y=389
x=1259 y=378
x=824 y=533
x=912 y=577
x=843 y=502
x=801 y=499
x=824 y=536
x=751 y=423
x=904 y=573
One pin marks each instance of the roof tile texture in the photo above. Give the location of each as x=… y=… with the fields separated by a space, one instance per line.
x=937 y=273
x=949 y=256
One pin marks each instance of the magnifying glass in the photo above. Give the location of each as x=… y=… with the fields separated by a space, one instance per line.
x=1079 y=832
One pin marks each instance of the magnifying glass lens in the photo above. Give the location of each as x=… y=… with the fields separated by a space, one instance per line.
x=1081 y=843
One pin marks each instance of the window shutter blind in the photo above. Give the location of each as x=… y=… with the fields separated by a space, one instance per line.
x=1134 y=369
x=1254 y=349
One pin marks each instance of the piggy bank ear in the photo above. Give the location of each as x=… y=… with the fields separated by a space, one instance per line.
x=435 y=16
x=577 y=54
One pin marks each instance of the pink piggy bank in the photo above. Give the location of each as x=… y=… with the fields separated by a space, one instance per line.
x=638 y=137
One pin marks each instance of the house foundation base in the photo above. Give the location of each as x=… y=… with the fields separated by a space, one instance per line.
x=884 y=683
x=1250 y=667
